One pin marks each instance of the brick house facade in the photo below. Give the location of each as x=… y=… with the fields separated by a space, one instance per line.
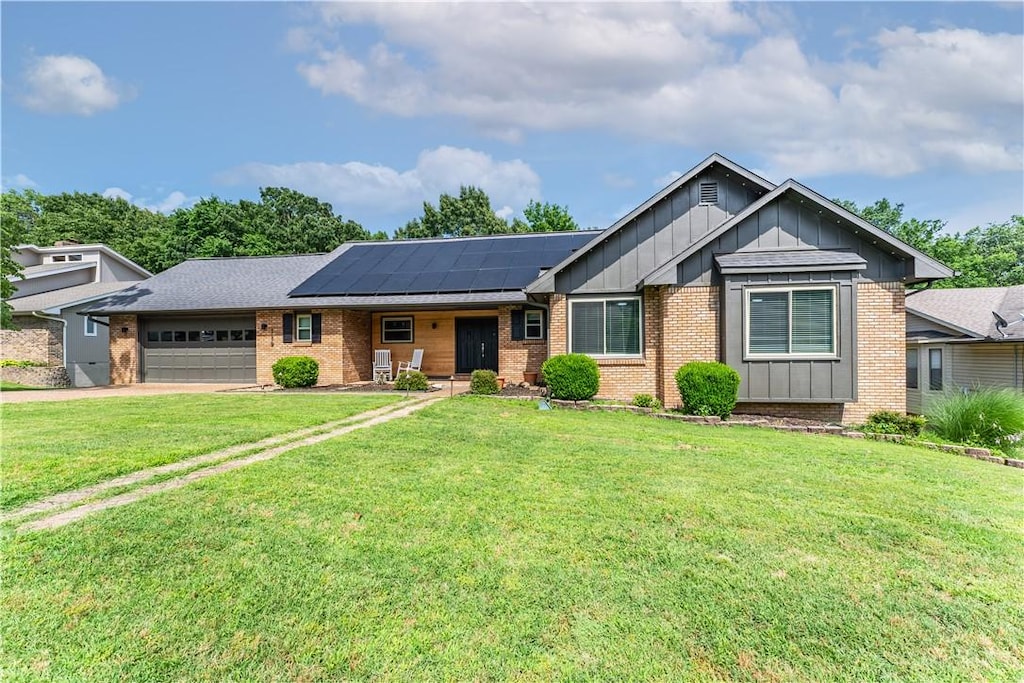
x=697 y=272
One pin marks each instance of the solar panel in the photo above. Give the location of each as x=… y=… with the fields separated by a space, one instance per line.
x=443 y=266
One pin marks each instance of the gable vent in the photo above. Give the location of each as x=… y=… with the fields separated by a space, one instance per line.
x=709 y=193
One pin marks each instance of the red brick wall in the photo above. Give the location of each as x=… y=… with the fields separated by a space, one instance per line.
x=330 y=353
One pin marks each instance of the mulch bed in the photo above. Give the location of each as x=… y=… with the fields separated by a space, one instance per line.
x=517 y=391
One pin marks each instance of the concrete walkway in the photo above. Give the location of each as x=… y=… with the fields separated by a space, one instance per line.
x=141 y=389
x=255 y=452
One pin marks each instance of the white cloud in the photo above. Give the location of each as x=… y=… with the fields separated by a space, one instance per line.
x=355 y=184
x=19 y=181
x=618 y=181
x=175 y=200
x=948 y=97
x=69 y=84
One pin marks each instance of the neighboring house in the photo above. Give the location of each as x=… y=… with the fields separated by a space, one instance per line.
x=59 y=283
x=802 y=297
x=963 y=338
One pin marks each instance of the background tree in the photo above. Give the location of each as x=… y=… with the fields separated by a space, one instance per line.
x=471 y=214
x=16 y=210
x=545 y=218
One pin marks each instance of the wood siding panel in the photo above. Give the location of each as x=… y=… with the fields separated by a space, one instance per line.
x=434 y=332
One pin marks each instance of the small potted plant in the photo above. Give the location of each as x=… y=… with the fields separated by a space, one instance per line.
x=530 y=378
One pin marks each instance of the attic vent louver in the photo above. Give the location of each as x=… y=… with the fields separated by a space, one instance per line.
x=709 y=193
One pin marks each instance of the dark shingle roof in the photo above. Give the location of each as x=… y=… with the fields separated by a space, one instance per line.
x=217 y=284
x=62 y=298
x=796 y=259
x=442 y=266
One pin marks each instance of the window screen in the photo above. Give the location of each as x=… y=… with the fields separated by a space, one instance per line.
x=935 y=369
x=912 y=368
x=622 y=327
x=588 y=327
x=769 y=322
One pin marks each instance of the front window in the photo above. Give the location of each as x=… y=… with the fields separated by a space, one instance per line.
x=606 y=327
x=935 y=369
x=912 y=368
x=787 y=323
x=534 y=324
x=304 y=327
x=90 y=327
x=396 y=330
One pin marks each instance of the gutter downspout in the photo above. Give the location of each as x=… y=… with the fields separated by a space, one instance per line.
x=64 y=335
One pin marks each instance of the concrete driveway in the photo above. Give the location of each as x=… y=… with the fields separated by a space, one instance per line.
x=146 y=389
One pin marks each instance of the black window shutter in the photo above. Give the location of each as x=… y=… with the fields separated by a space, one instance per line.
x=518 y=325
x=316 y=334
x=287 y=328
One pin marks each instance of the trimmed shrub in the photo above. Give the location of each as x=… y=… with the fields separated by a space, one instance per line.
x=412 y=380
x=291 y=372
x=890 y=422
x=993 y=418
x=483 y=382
x=22 y=364
x=571 y=377
x=708 y=388
x=646 y=401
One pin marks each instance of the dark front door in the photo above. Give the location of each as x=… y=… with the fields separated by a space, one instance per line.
x=476 y=344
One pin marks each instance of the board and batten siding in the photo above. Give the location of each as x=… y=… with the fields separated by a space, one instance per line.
x=797 y=380
x=656 y=235
x=786 y=223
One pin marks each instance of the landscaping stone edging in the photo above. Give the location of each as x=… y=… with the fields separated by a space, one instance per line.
x=48 y=376
x=834 y=430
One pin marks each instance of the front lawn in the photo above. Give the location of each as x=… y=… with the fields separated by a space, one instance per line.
x=55 y=446
x=483 y=539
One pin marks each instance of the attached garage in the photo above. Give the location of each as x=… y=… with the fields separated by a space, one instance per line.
x=199 y=349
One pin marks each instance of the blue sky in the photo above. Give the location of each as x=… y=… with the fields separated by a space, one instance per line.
x=377 y=107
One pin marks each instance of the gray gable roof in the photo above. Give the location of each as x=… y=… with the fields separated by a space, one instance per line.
x=924 y=266
x=217 y=284
x=970 y=310
x=546 y=281
x=56 y=300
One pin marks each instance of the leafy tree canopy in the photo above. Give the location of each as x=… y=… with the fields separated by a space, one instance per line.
x=470 y=214
x=989 y=256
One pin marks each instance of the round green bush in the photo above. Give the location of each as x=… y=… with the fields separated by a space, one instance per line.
x=571 y=376
x=483 y=382
x=708 y=388
x=412 y=380
x=296 y=371
x=646 y=401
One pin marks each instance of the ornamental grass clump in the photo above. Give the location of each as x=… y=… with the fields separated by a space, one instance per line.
x=412 y=380
x=483 y=382
x=708 y=388
x=571 y=376
x=292 y=372
x=993 y=418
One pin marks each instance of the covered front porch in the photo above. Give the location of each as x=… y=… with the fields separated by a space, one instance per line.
x=457 y=341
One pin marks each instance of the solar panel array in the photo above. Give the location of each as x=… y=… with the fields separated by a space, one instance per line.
x=442 y=266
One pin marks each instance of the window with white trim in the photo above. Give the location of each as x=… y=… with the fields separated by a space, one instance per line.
x=795 y=322
x=605 y=327
x=303 y=327
x=90 y=327
x=396 y=330
x=534 y=324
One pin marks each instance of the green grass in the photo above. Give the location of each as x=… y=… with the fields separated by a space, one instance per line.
x=55 y=446
x=14 y=386
x=482 y=540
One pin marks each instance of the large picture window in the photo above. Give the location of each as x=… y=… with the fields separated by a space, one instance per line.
x=794 y=322
x=605 y=327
